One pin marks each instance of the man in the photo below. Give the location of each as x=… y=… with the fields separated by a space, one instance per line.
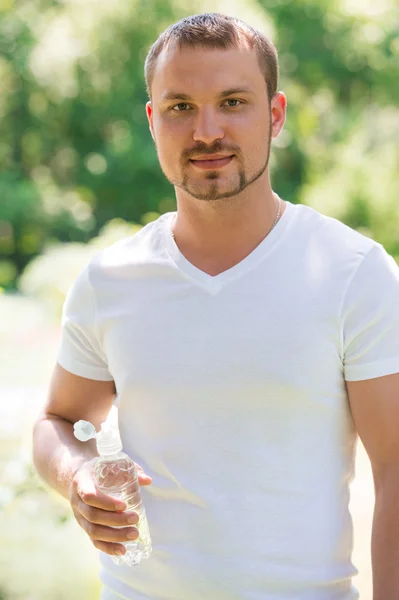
x=248 y=341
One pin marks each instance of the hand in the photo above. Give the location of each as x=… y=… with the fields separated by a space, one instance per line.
x=98 y=513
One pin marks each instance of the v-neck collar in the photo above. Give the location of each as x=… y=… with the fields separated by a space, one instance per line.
x=214 y=283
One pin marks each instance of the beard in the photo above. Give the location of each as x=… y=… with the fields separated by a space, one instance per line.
x=202 y=190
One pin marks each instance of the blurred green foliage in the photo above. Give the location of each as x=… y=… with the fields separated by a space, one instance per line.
x=76 y=152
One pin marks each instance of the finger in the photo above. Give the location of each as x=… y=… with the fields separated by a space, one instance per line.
x=85 y=489
x=100 y=500
x=143 y=478
x=105 y=517
x=106 y=535
x=102 y=533
x=108 y=548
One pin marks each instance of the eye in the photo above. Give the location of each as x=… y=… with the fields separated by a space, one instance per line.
x=234 y=100
x=179 y=106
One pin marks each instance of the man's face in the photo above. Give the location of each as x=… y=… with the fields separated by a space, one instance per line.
x=210 y=102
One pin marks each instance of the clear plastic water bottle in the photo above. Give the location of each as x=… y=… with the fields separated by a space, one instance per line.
x=115 y=474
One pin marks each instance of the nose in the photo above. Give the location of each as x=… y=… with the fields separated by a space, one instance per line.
x=208 y=126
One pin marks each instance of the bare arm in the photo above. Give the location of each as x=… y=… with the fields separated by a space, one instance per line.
x=57 y=454
x=375 y=409
x=65 y=464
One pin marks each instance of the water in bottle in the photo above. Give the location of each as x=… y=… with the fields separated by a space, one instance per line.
x=115 y=474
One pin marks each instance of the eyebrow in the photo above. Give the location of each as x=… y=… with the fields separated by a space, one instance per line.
x=180 y=96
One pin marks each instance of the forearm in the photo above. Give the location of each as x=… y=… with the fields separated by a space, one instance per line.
x=385 y=543
x=57 y=454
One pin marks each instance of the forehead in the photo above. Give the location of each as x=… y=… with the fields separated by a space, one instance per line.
x=198 y=70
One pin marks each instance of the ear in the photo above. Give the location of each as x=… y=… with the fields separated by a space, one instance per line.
x=148 y=108
x=278 y=112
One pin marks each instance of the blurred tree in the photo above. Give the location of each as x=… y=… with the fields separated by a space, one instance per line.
x=75 y=150
x=339 y=152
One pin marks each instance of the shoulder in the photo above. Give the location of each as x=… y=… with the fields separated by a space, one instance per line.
x=142 y=248
x=331 y=240
x=332 y=231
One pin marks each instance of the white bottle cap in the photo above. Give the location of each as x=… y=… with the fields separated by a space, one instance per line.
x=84 y=431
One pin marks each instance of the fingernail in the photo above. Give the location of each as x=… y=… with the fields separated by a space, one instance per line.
x=120 y=552
x=132 y=534
x=120 y=506
x=133 y=518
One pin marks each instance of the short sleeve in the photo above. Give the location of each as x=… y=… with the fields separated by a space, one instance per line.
x=80 y=350
x=370 y=318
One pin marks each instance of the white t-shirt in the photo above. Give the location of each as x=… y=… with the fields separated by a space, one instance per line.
x=231 y=395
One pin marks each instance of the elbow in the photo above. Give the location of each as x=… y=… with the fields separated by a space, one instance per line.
x=45 y=437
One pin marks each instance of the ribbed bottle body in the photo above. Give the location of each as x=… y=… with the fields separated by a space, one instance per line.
x=116 y=475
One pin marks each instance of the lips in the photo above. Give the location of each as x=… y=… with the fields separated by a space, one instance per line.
x=212 y=157
x=211 y=163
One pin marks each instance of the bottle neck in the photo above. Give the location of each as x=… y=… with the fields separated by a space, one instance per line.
x=113 y=456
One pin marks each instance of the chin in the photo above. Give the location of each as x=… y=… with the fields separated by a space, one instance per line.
x=213 y=196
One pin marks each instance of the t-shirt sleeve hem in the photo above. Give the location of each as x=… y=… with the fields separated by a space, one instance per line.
x=89 y=372
x=372 y=370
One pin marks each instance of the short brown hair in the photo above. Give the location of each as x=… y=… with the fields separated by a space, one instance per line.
x=214 y=30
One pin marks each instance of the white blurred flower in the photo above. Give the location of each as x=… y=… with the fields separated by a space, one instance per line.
x=96 y=163
x=14 y=472
x=53 y=60
x=6 y=496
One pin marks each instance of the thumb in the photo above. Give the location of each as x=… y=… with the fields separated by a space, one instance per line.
x=86 y=489
x=143 y=478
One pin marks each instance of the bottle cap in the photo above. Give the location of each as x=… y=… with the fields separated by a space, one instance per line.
x=84 y=431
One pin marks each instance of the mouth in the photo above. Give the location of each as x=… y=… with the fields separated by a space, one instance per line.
x=212 y=163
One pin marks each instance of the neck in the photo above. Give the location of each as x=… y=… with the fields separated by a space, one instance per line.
x=216 y=235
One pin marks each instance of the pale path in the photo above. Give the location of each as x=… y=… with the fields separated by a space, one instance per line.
x=362 y=506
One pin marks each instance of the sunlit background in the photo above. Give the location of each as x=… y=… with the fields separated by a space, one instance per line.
x=78 y=171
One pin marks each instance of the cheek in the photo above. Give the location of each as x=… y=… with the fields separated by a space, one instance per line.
x=258 y=133
x=171 y=141
x=168 y=150
x=169 y=134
